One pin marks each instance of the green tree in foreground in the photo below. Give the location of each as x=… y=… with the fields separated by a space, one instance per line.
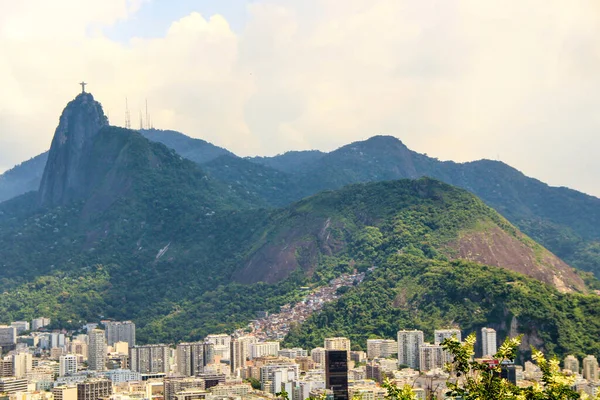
x=396 y=393
x=473 y=380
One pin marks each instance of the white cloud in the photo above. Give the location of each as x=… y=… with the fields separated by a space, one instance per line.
x=456 y=79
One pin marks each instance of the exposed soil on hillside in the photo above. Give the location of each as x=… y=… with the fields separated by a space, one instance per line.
x=493 y=246
x=291 y=250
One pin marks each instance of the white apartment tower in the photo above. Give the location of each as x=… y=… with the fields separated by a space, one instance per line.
x=590 y=368
x=432 y=356
x=240 y=350
x=439 y=335
x=571 y=363
x=67 y=365
x=381 y=348
x=96 y=350
x=488 y=342
x=264 y=349
x=20 y=326
x=193 y=357
x=150 y=359
x=318 y=356
x=8 y=335
x=120 y=331
x=38 y=323
x=22 y=364
x=337 y=343
x=222 y=345
x=408 y=347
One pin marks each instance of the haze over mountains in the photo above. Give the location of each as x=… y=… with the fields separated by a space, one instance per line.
x=125 y=227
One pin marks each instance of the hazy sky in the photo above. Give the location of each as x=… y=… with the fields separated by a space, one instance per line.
x=462 y=80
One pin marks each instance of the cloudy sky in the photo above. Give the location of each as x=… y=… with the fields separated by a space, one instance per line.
x=459 y=80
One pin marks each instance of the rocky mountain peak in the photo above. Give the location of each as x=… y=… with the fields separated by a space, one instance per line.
x=63 y=180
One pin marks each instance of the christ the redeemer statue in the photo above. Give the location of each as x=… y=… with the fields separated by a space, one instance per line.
x=83 y=87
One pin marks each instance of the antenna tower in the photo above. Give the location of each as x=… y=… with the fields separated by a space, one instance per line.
x=127 y=116
x=147 y=119
x=141 y=121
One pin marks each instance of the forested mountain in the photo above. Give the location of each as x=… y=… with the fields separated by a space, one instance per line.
x=22 y=178
x=127 y=228
x=203 y=272
x=565 y=221
x=291 y=161
x=27 y=176
x=197 y=150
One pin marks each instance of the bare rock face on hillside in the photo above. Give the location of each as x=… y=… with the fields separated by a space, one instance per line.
x=63 y=180
x=495 y=247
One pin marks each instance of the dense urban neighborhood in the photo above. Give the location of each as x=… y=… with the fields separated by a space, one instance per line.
x=103 y=361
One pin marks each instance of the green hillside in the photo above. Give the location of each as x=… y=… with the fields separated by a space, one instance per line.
x=141 y=196
x=565 y=221
x=409 y=292
x=182 y=260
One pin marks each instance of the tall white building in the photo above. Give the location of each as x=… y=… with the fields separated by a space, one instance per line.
x=57 y=339
x=571 y=363
x=193 y=357
x=488 y=342
x=22 y=364
x=222 y=345
x=38 y=323
x=67 y=365
x=408 y=347
x=432 y=356
x=150 y=359
x=318 y=355
x=264 y=349
x=590 y=368
x=120 y=331
x=20 y=326
x=337 y=343
x=240 y=351
x=8 y=335
x=96 y=350
x=439 y=335
x=277 y=377
x=381 y=348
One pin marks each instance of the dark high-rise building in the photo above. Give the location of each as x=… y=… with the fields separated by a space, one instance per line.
x=508 y=372
x=336 y=373
x=211 y=380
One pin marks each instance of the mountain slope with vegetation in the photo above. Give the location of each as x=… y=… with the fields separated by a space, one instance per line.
x=374 y=220
x=565 y=221
x=166 y=259
x=139 y=196
x=127 y=228
x=22 y=178
x=409 y=292
x=196 y=150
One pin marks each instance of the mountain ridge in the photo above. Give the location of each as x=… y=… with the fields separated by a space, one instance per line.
x=155 y=238
x=538 y=209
